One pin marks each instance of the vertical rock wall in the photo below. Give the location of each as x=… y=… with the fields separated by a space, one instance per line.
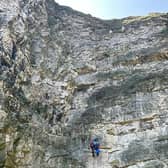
x=66 y=77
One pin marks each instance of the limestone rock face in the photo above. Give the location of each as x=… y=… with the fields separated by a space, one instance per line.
x=66 y=77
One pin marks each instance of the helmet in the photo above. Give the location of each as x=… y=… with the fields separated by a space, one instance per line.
x=96 y=139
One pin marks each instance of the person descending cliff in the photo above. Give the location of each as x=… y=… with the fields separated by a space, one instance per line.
x=95 y=145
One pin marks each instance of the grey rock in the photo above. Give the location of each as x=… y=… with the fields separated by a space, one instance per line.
x=67 y=77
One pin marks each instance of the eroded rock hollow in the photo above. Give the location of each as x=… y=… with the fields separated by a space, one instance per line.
x=66 y=77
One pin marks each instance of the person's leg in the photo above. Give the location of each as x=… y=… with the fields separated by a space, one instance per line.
x=97 y=152
x=93 y=154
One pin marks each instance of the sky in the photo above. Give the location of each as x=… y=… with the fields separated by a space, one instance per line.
x=110 y=9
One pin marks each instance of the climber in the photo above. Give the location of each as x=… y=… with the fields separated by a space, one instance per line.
x=92 y=148
x=94 y=145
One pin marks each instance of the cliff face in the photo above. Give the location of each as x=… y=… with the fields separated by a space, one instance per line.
x=66 y=77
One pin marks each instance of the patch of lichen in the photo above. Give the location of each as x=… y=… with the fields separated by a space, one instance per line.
x=2 y=164
x=16 y=149
x=2 y=146
x=85 y=70
x=111 y=131
x=2 y=152
x=10 y=161
x=115 y=163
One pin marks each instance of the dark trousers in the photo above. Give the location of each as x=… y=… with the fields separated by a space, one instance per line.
x=93 y=153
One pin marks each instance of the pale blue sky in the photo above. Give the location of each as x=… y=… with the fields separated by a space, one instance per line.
x=108 y=9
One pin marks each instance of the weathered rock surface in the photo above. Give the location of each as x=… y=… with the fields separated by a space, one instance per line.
x=66 y=77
